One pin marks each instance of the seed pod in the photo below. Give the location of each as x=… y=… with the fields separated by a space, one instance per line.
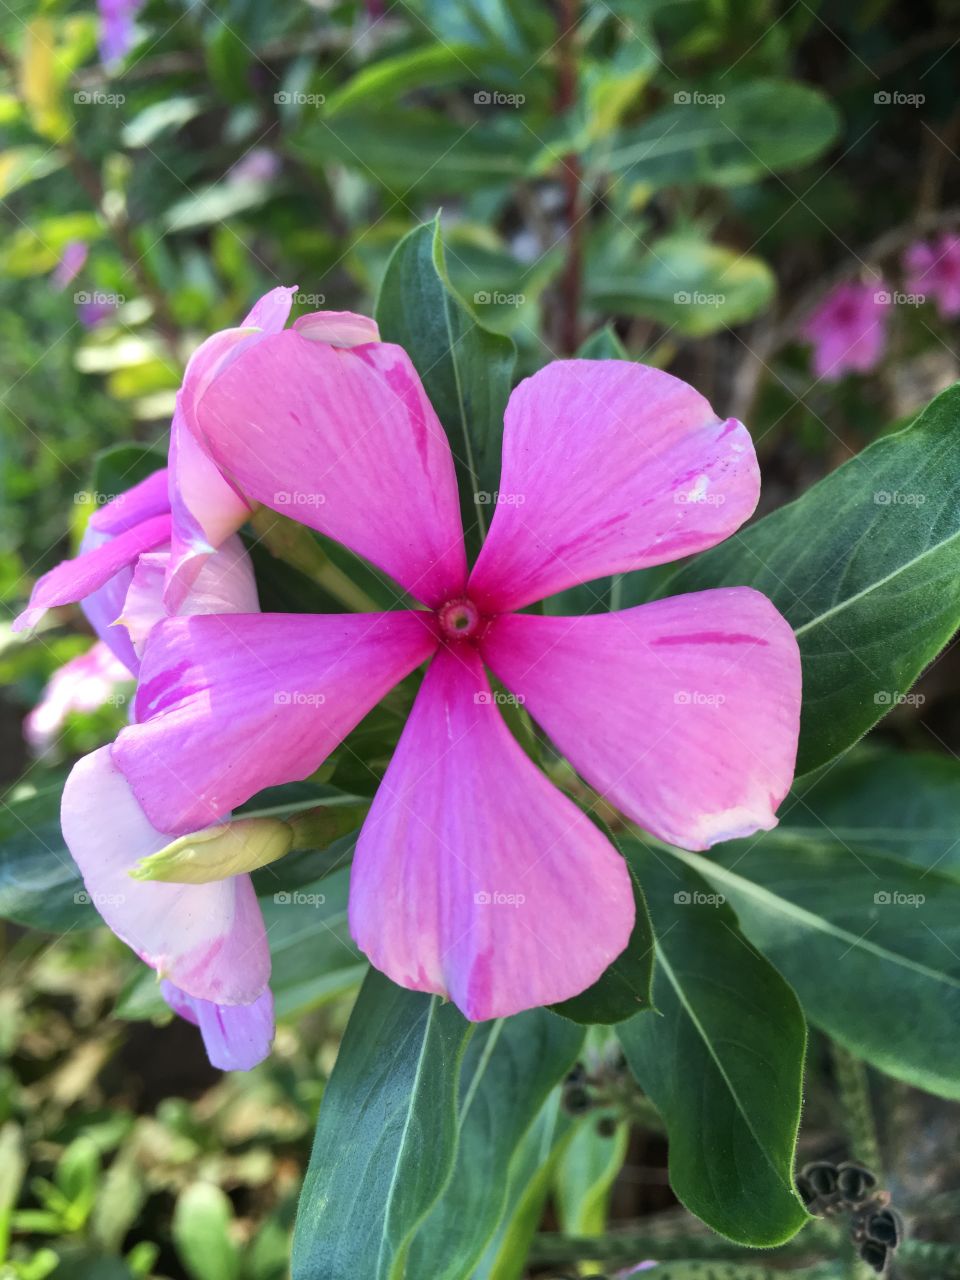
x=855 y=1182
x=874 y=1255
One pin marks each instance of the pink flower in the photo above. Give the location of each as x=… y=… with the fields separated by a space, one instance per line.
x=474 y=876
x=116 y=27
x=933 y=270
x=206 y=940
x=71 y=263
x=848 y=330
x=84 y=683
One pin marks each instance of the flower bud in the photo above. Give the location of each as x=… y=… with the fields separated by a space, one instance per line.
x=218 y=852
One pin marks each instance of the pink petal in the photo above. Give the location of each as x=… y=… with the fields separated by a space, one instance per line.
x=271 y=312
x=683 y=713
x=235 y=1036
x=346 y=441
x=206 y=510
x=84 y=683
x=608 y=466
x=474 y=877
x=338 y=328
x=228 y=705
x=146 y=499
x=73 y=580
x=102 y=607
x=224 y=584
x=208 y=939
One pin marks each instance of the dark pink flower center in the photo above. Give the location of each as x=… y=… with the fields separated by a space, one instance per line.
x=459 y=619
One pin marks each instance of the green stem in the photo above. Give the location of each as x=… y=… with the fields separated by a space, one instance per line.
x=853 y=1088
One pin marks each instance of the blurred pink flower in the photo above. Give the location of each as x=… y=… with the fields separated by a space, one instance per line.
x=116 y=27
x=848 y=330
x=85 y=683
x=72 y=261
x=474 y=876
x=933 y=270
x=261 y=164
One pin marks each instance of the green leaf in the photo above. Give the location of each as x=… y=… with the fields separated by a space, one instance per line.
x=869 y=942
x=201 y=1232
x=685 y=282
x=431 y=66
x=585 y=1177
x=510 y=1067
x=21 y=165
x=905 y=804
x=866 y=568
x=466 y=370
x=624 y=988
x=386 y=1136
x=40 y=884
x=763 y=127
x=121 y=467
x=603 y=345
x=723 y=1064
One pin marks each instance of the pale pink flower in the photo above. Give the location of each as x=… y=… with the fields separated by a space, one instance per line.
x=933 y=271
x=85 y=683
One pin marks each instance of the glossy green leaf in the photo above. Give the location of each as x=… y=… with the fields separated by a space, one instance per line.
x=386 y=1136
x=762 y=127
x=585 y=1176
x=687 y=283
x=723 y=1062
x=870 y=943
x=40 y=884
x=866 y=568
x=902 y=803
x=510 y=1067
x=466 y=370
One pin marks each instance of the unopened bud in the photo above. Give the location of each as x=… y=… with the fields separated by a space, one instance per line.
x=218 y=852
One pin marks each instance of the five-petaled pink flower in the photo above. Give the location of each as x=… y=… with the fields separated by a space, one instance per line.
x=932 y=270
x=848 y=329
x=474 y=875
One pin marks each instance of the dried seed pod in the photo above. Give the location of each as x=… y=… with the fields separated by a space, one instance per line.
x=874 y=1255
x=884 y=1226
x=855 y=1182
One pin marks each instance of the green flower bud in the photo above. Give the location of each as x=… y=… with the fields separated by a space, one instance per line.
x=218 y=852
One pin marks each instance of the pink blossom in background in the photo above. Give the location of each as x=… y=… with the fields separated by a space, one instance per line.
x=848 y=330
x=94 y=312
x=72 y=261
x=85 y=683
x=117 y=19
x=933 y=270
x=261 y=164
x=474 y=876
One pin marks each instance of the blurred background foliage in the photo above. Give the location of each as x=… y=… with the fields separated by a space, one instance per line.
x=685 y=179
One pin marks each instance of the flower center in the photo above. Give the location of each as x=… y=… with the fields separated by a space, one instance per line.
x=459 y=619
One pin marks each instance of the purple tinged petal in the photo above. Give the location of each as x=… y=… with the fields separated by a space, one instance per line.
x=236 y=1037
x=147 y=499
x=75 y=579
x=209 y=939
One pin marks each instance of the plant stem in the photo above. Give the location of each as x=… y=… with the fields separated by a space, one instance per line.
x=853 y=1087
